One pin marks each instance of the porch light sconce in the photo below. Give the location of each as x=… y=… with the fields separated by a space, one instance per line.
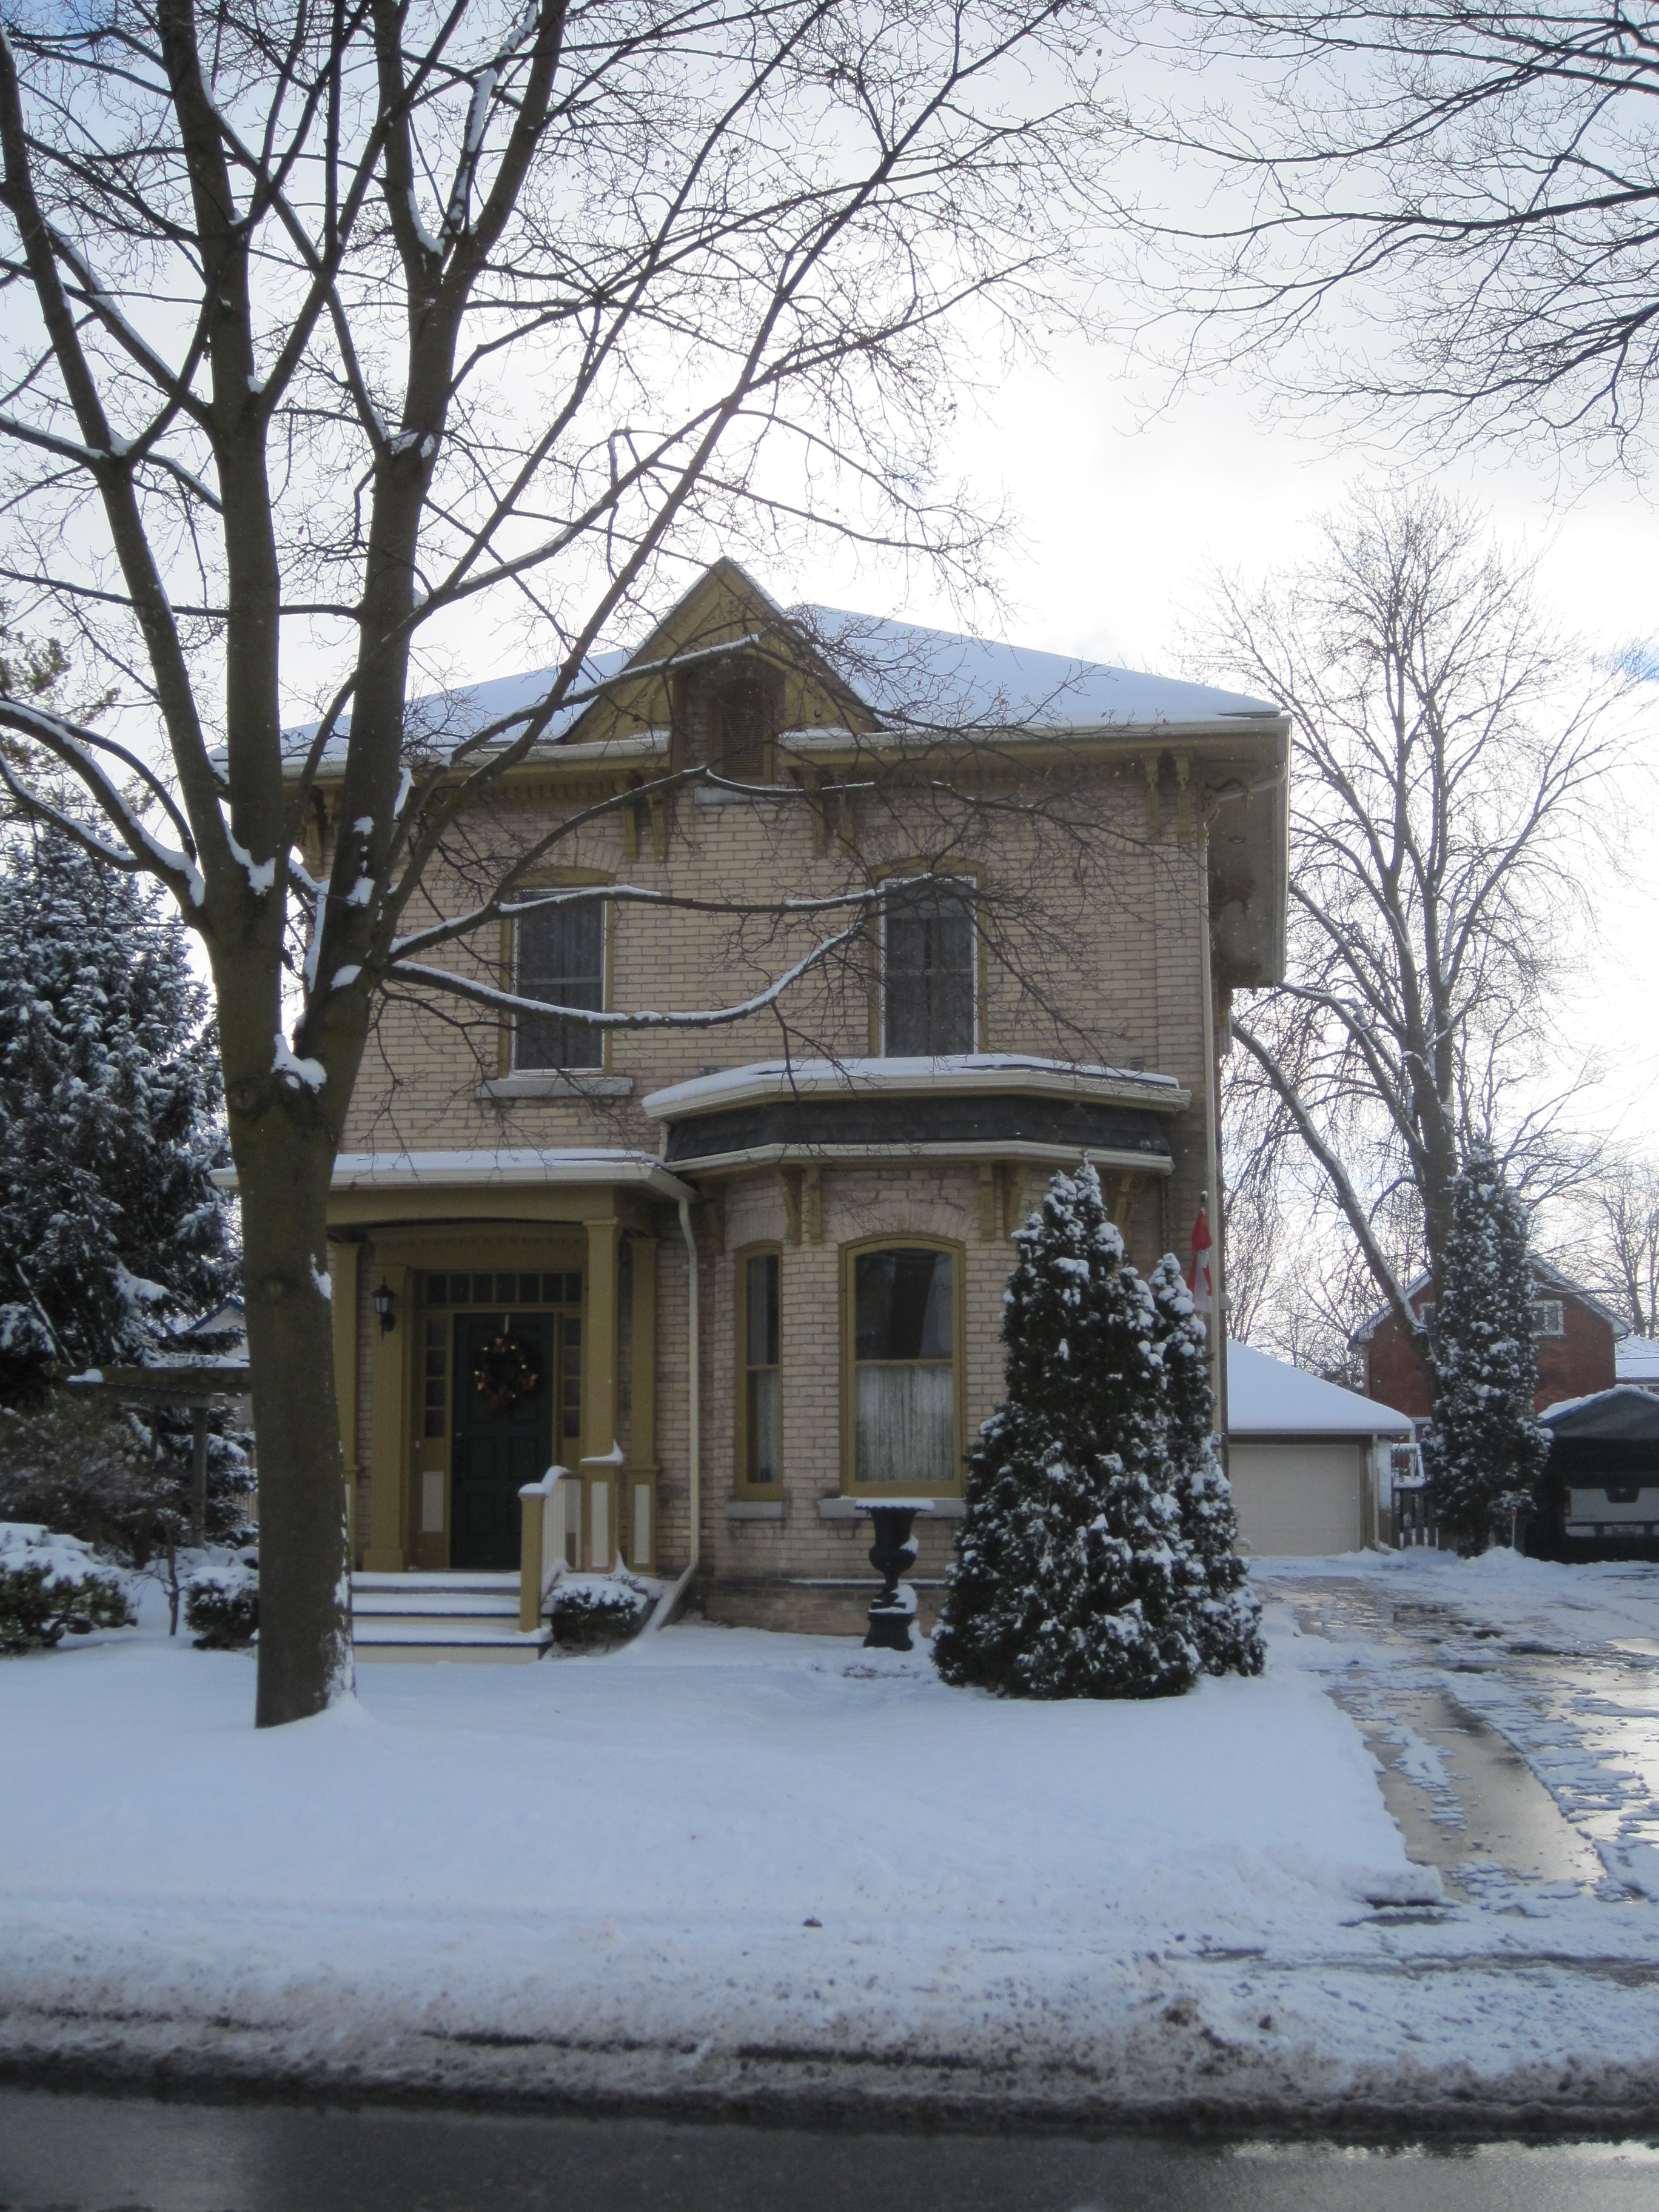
x=383 y=1301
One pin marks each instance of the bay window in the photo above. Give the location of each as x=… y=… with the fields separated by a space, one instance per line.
x=902 y=1414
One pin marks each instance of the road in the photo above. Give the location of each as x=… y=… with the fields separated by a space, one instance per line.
x=97 y=2154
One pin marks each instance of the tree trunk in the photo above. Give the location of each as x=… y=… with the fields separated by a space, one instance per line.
x=284 y=1154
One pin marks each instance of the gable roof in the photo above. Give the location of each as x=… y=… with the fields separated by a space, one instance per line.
x=1268 y=1397
x=1551 y=1278
x=891 y=676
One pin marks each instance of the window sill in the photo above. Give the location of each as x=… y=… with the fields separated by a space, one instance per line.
x=554 y=1083
x=757 y=1509
x=854 y=1508
x=708 y=794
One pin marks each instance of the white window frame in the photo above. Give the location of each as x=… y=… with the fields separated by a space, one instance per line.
x=1543 y=1324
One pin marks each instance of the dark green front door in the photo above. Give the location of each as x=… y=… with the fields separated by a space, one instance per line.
x=503 y=1430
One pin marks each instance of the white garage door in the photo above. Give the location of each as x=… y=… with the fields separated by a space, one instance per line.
x=1302 y=1499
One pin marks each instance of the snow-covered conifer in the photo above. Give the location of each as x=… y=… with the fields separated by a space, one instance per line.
x=1227 y=1615
x=109 y=1096
x=1484 y=1451
x=1072 y=1578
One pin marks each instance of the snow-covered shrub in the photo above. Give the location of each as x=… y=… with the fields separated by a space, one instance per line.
x=1484 y=1451
x=120 y=1480
x=1227 y=1615
x=590 y=1609
x=109 y=1117
x=51 y=1586
x=221 y=1605
x=1073 y=1576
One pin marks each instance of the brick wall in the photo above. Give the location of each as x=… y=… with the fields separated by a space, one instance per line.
x=1570 y=1366
x=1106 y=940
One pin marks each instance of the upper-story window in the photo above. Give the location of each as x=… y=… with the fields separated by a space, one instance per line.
x=559 y=959
x=741 y=729
x=928 y=968
x=1549 y=1317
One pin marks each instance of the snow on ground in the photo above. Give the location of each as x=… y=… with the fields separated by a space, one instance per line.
x=727 y=1868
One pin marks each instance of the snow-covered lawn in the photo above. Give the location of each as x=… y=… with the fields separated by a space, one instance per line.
x=729 y=1866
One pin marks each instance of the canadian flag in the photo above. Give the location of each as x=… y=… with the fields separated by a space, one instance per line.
x=1201 y=1277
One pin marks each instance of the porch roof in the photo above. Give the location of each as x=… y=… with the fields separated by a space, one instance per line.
x=524 y=1166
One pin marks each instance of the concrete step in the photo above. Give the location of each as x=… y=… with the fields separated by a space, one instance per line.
x=435 y=1605
x=469 y=1616
x=415 y=1642
x=480 y=1580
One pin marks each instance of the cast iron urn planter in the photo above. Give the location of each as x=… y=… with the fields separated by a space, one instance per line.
x=893 y=1551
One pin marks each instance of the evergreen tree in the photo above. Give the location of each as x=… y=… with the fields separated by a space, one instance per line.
x=1073 y=1578
x=1484 y=1451
x=109 y=1101
x=1227 y=1615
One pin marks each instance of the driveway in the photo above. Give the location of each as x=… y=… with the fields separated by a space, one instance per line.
x=1514 y=1708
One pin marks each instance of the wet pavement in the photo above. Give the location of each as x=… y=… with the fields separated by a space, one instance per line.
x=1507 y=1759
x=102 y=2154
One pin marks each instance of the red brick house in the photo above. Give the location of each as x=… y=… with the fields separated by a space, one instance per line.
x=1574 y=1334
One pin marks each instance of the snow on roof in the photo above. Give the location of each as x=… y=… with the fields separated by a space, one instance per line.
x=1268 y=1397
x=956 y=1071
x=443 y=720
x=909 y=675
x=1622 y=1415
x=1636 y=1360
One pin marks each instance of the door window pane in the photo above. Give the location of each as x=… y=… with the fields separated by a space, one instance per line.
x=560 y=960
x=928 y=969
x=904 y=1369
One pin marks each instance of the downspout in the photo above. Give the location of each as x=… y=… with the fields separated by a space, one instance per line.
x=669 y=1602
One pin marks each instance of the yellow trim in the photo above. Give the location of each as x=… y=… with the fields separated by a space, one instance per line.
x=765 y=1248
x=386 y=1552
x=342 y=1313
x=849 y=1253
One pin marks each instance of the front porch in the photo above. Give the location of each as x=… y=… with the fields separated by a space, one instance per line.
x=496 y=1323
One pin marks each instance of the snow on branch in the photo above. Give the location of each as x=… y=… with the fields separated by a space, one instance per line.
x=77 y=749
x=485 y=994
x=508 y=909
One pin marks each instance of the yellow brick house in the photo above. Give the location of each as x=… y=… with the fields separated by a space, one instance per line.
x=687 y=1297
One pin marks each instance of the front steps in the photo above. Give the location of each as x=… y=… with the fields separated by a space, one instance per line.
x=469 y=1619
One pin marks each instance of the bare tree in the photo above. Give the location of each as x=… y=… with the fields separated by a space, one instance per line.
x=1442 y=212
x=1619 y=1252
x=331 y=331
x=1445 y=780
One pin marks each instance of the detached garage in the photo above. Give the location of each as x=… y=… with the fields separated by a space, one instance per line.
x=1308 y=1461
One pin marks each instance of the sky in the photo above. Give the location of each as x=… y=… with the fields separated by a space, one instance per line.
x=1125 y=511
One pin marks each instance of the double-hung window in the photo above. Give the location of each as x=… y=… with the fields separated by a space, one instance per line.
x=903 y=1367
x=559 y=959
x=928 y=967
x=760 y=1465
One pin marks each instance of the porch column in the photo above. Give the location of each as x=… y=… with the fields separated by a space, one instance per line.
x=642 y=1404
x=389 y=1460
x=599 y=1341
x=342 y=1303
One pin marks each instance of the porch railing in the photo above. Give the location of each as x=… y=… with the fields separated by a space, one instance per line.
x=545 y=1506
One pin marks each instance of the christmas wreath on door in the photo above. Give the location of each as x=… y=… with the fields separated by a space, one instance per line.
x=507 y=1370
